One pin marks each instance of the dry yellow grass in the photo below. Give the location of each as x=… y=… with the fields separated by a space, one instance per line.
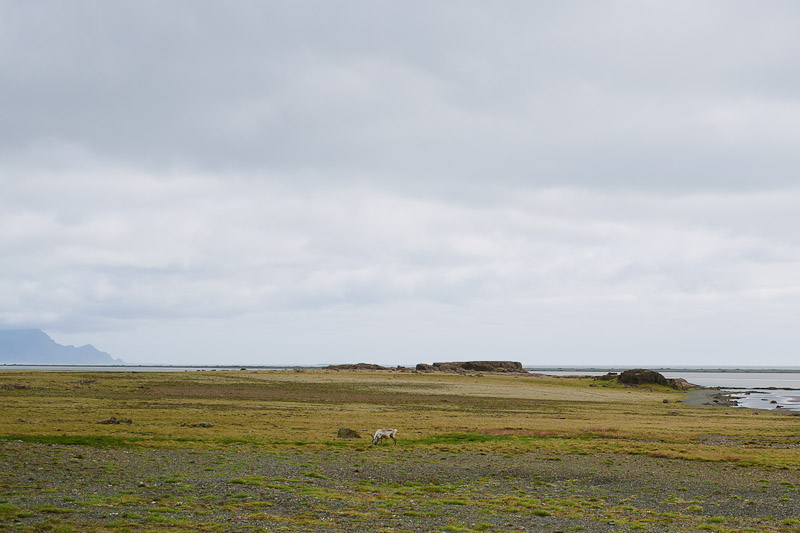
x=285 y=408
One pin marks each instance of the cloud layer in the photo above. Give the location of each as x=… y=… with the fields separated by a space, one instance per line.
x=609 y=183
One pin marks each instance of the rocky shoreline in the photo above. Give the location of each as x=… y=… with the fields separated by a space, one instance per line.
x=703 y=397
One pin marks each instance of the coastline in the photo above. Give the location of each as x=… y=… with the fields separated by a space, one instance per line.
x=708 y=398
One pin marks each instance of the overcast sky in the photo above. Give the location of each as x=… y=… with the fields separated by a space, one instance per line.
x=557 y=183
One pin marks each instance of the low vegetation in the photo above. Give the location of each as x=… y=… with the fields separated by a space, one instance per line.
x=242 y=450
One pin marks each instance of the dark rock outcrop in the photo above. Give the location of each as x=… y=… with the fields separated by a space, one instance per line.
x=681 y=384
x=641 y=376
x=473 y=366
x=357 y=366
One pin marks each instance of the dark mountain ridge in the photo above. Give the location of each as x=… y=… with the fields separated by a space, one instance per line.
x=35 y=347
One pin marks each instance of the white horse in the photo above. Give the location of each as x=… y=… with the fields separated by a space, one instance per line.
x=384 y=434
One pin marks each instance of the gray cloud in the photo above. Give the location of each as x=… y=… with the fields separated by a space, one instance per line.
x=673 y=95
x=576 y=180
x=216 y=248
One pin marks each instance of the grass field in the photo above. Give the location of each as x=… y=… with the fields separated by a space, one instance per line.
x=491 y=452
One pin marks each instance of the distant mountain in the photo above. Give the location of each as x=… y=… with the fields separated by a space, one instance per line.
x=35 y=347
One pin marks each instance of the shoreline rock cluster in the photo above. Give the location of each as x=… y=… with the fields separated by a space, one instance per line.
x=641 y=376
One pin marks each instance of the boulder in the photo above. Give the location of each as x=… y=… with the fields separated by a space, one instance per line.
x=681 y=384
x=345 y=433
x=641 y=376
x=422 y=367
x=113 y=420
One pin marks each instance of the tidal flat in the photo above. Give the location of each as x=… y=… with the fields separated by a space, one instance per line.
x=258 y=450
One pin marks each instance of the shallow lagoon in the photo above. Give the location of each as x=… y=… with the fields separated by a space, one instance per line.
x=754 y=390
x=751 y=389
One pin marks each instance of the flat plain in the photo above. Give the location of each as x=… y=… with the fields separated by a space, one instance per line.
x=258 y=450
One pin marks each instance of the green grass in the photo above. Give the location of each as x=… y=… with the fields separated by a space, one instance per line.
x=294 y=417
x=497 y=414
x=460 y=438
x=315 y=475
x=249 y=480
x=99 y=441
x=8 y=511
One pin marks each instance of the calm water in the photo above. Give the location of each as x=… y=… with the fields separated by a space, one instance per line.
x=751 y=389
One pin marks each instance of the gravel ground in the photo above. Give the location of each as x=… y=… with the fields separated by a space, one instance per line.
x=708 y=398
x=88 y=489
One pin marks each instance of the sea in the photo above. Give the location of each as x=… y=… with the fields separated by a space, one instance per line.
x=757 y=388
x=753 y=388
